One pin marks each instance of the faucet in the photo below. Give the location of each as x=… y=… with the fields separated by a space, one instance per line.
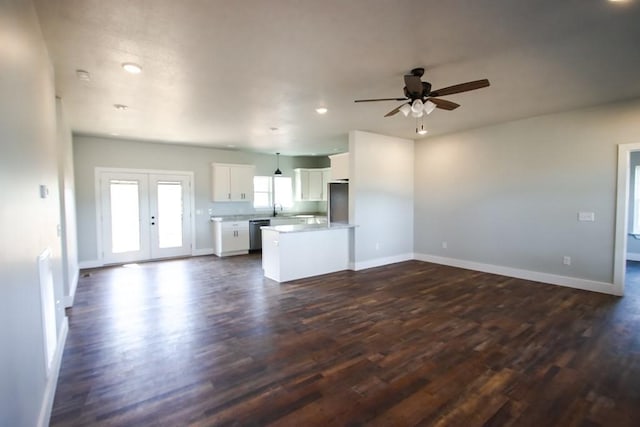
x=275 y=213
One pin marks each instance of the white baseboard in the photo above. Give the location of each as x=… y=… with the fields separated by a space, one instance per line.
x=203 y=251
x=552 y=279
x=97 y=263
x=377 y=262
x=52 y=381
x=633 y=256
x=68 y=299
x=94 y=263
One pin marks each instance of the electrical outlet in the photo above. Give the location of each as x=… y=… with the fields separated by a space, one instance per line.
x=566 y=260
x=444 y=245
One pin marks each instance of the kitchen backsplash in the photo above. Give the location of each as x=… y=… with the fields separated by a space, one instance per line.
x=245 y=208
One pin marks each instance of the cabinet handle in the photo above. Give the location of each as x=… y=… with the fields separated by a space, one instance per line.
x=229 y=196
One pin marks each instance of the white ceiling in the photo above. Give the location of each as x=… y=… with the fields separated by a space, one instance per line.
x=222 y=73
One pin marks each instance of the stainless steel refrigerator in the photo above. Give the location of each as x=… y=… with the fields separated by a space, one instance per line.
x=338 y=208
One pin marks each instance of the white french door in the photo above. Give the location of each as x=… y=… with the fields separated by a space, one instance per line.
x=144 y=216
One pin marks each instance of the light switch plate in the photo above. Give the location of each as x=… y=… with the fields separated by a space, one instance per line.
x=44 y=191
x=586 y=216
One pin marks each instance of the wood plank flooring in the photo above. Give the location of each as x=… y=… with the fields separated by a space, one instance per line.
x=210 y=342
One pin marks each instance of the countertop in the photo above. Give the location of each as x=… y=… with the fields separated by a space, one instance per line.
x=301 y=228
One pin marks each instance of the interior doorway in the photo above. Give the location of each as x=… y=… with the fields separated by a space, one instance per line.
x=144 y=215
x=623 y=203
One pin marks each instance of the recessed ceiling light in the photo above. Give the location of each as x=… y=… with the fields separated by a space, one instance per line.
x=231 y=146
x=120 y=107
x=83 y=75
x=114 y=134
x=132 y=68
x=321 y=110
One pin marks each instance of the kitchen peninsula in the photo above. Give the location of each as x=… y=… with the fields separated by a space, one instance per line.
x=291 y=252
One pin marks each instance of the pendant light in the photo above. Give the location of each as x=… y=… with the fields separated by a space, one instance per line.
x=278 y=171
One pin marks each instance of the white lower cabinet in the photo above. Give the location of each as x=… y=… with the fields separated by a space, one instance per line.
x=230 y=238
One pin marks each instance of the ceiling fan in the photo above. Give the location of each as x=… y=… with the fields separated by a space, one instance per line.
x=421 y=99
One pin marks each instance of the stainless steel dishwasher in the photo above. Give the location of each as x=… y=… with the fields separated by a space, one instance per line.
x=255 y=234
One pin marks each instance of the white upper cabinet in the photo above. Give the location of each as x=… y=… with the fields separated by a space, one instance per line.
x=311 y=184
x=339 y=166
x=232 y=183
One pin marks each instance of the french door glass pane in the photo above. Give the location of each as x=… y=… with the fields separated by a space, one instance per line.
x=125 y=216
x=169 y=214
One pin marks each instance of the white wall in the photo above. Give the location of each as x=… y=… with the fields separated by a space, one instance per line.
x=28 y=223
x=381 y=198
x=91 y=152
x=66 y=188
x=509 y=195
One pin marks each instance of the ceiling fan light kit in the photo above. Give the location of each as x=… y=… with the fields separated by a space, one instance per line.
x=428 y=107
x=416 y=107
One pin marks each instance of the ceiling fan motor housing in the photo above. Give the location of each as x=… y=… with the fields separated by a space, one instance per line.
x=426 y=89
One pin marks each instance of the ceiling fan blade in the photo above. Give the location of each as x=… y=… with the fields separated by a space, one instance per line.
x=414 y=85
x=462 y=87
x=394 y=111
x=380 y=99
x=444 y=104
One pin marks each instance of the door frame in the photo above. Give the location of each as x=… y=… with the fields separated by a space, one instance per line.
x=98 y=200
x=622 y=215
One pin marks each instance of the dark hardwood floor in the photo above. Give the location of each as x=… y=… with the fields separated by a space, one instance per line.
x=209 y=341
